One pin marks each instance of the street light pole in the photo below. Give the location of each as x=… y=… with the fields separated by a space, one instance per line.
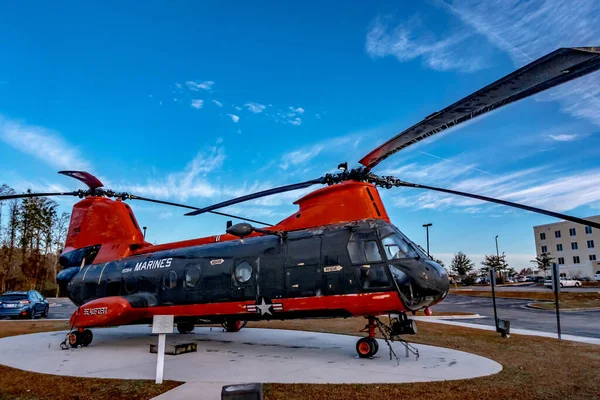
x=426 y=226
x=493 y=285
x=497 y=253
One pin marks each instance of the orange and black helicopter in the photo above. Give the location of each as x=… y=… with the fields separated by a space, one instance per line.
x=338 y=256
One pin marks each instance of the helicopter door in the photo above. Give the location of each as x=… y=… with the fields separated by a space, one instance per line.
x=270 y=273
x=336 y=278
x=371 y=270
x=216 y=279
x=302 y=267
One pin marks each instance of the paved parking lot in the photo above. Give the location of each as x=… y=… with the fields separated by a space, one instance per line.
x=581 y=323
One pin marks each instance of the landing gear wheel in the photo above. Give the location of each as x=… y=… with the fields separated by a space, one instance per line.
x=231 y=325
x=185 y=327
x=75 y=339
x=86 y=337
x=366 y=347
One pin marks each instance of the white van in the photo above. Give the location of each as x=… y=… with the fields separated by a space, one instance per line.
x=597 y=276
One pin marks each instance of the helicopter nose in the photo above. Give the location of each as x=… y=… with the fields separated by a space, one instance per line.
x=421 y=283
x=438 y=278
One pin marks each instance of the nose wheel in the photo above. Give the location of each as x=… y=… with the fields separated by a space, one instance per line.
x=77 y=339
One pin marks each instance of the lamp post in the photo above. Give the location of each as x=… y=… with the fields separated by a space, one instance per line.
x=426 y=226
x=497 y=254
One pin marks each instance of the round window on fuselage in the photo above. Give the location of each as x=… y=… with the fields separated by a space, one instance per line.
x=243 y=272
x=170 y=280
x=192 y=276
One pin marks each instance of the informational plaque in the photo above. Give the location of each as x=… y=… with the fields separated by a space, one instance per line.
x=163 y=324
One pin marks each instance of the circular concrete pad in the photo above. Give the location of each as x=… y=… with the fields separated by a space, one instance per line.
x=251 y=355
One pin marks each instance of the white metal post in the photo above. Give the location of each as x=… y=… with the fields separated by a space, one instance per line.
x=161 y=324
x=160 y=363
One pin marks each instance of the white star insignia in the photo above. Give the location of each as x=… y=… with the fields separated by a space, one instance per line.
x=264 y=308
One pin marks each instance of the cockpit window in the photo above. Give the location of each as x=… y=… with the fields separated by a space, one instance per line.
x=397 y=247
x=363 y=251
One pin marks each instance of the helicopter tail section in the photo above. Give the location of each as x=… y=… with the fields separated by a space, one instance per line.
x=100 y=230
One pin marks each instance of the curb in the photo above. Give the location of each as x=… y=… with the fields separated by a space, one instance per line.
x=533 y=307
x=445 y=317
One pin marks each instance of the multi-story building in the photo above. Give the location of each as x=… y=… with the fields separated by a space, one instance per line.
x=576 y=248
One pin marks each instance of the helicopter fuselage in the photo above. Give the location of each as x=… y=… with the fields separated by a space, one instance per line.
x=366 y=267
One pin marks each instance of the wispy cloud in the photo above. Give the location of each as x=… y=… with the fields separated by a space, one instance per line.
x=544 y=187
x=189 y=183
x=410 y=39
x=218 y=103
x=307 y=153
x=196 y=86
x=197 y=104
x=42 y=143
x=564 y=137
x=298 y=110
x=255 y=107
x=528 y=30
x=234 y=118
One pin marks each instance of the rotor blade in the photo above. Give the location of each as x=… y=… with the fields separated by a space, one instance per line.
x=28 y=195
x=90 y=180
x=257 y=195
x=503 y=202
x=134 y=197
x=551 y=70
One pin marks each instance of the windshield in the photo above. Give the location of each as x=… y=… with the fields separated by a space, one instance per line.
x=397 y=247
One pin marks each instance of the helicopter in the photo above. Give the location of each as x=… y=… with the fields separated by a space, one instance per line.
x=339 y=255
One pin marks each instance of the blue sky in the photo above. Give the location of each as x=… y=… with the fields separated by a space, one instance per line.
x=198 y=102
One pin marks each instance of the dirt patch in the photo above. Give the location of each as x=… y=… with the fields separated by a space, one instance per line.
x=24 y=385
x=549 y=295
x=567 y=304
x=533 y=367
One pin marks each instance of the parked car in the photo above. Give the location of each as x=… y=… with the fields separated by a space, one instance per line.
x=23 y=305
x=522 y=279
x=597 y=276
x=564 y=282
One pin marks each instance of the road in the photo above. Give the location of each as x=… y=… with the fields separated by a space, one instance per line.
x=581 y=323
x=529 y=288
x=60 y=308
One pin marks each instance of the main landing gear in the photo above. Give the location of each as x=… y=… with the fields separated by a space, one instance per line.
x=77 y=339
x=185 y=327
x=367 y=347
x=231 y=325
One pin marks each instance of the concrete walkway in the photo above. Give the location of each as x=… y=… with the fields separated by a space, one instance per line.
x=251 y=355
